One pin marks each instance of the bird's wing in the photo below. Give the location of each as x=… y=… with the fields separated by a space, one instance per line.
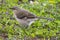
x=20 y=15
x=29 y=14
x=25 y=14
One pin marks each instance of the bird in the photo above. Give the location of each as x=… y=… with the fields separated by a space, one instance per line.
x=23 y=16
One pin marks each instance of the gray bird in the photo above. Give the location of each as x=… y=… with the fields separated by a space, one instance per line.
x=24 y=17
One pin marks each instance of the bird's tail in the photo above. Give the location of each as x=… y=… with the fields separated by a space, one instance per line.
x=51 y=19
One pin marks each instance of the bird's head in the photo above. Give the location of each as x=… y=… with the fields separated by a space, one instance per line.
x=15 y=8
